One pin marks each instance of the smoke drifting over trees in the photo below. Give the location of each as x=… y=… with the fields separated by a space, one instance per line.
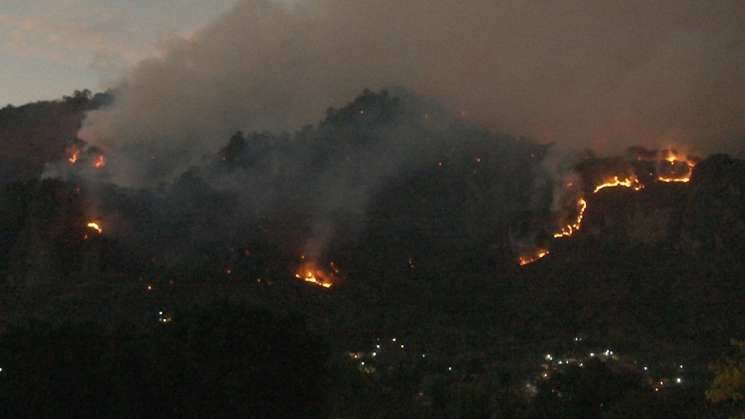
x=588 y=74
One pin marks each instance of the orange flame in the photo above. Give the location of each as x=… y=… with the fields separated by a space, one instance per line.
x=666 y=179
x=570 y=229
x=674 y=158
x=95 y=226
x=314 y=276
x=73 y=156
x=628 y=182
x=100 y=162
x=528 y=259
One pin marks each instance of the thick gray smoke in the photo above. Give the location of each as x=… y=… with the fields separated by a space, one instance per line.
x=587 y=73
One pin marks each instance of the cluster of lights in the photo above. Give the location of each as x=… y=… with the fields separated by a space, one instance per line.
x=553 y=364
x=163 y=317
x=389 y=345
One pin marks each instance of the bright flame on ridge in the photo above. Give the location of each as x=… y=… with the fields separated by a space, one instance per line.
x=540 y=253
x=628 y=182
x=315 y=276
x=570 y=229
x=74 y=155
x=95 y=226
x=673 y=158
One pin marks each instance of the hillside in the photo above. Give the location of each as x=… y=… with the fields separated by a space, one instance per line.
x=414 y=239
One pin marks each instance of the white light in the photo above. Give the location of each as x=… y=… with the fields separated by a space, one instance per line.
x=678 y=380
x=561 y=362
x=548 y=357
x=681 y=366
x=645 y=368
x=402 y=346
x=362 y=363
x=450 y=368
x=160 y=313
x=394 y=339
x=374 y=354
x=592 y=354
x=377 y=346
x=424 y=355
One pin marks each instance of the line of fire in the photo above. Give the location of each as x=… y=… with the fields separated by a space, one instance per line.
x=640 y=168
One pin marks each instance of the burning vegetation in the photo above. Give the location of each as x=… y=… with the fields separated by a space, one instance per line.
x=73 y=155
x=314 y=276
x=675 y=167
x=570 y=229
x=627 y=182
x=528 y=259
x=78 y=153
x=668 y=166
x=95 y=226
x=310 y=273
x=99 y=162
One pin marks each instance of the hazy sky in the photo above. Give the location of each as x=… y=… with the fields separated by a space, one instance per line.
x=49 y=48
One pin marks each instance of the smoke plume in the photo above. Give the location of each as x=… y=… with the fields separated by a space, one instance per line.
x=596 y=74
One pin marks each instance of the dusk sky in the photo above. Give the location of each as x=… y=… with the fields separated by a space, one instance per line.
x=48 y=48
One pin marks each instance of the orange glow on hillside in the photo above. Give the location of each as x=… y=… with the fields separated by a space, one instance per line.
x=627 y=182
x=95 y=226
x=674 y=160
x=100 y=162
x=72 y=158
x=315 y=276
x=528 y=259
x=570 y=229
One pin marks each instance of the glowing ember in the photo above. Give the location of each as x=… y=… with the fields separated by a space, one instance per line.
x=95 y=226
x=314 y=276
x=74 y=155
x=526 y=260
x=100 y=162
x=629 y=182
x=684 y=179
x=570 y=229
